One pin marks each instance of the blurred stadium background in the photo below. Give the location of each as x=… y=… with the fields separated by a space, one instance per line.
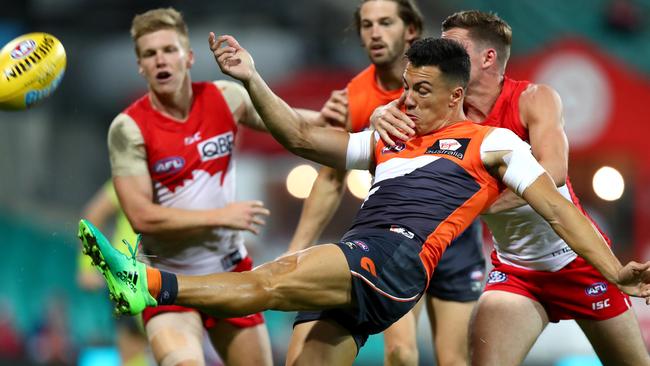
x=596 y=53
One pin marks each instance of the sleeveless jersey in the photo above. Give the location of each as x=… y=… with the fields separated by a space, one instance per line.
x=191 y=167
x=432 y=186
x=364 y=95
x=522 y=237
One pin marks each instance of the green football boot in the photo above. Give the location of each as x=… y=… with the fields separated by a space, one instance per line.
x=126 y=278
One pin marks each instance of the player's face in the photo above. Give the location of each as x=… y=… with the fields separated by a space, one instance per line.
x=163 y=60
x=429 y=98
x=475 y=53
x=383 y=33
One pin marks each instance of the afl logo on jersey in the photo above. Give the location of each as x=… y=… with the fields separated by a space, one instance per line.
x=169 y=165
x=216 y=147
x=596 y=289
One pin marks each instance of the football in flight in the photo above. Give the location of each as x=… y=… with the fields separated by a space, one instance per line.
x=32 y=67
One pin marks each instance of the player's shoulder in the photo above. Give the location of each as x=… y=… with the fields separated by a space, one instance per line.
x=123 y=125
x=122 y=119
x=366 y=75
x=230 y=87
x=536 y=93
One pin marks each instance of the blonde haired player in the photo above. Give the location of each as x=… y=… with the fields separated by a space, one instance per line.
x=171 y=159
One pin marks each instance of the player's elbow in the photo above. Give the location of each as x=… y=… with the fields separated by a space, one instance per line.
x=141 y=226
x=559 y=178
x=557 y=172
x=144 y=221
x=299 y=143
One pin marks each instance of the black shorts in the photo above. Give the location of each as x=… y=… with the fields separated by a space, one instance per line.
x=388 y=279
x=459 y=274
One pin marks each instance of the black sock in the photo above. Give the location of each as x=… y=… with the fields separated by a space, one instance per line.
x=168 y=288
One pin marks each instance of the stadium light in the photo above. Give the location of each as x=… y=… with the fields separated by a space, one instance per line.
x=608 y=184
x=359 y=182
x=300 y=180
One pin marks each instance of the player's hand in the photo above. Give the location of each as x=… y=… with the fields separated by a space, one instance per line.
x=233 y=59
x=634 y=280
x=335 y=110
x=392 y=123
x=246 y=215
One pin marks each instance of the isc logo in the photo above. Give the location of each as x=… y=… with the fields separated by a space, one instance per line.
x=596 y=289
x=216 y=147
x=600 y=305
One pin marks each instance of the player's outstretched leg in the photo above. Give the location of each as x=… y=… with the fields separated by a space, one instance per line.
x=126 y=278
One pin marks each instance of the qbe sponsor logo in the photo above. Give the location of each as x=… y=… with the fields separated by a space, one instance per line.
x=596 y=289
x=216 y=147
x=497 y=277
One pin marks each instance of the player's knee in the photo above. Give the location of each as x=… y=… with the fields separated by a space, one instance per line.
x=182 y=357
x=453 y=359
x=485 y=307
x=176 y=341
x=401 y=354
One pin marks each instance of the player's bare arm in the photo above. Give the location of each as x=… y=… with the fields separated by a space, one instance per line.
x=134 y=189
x=240 y=105
x=513 y=164
x=135 y=195
x=333 y=113
x=323 y=145
x=244 y=112
x=329 y=187
x=327 y=191
x=540 y=108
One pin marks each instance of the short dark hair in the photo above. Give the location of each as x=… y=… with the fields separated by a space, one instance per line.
x=484 y=28
x=406 y=10
x=448 y=55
